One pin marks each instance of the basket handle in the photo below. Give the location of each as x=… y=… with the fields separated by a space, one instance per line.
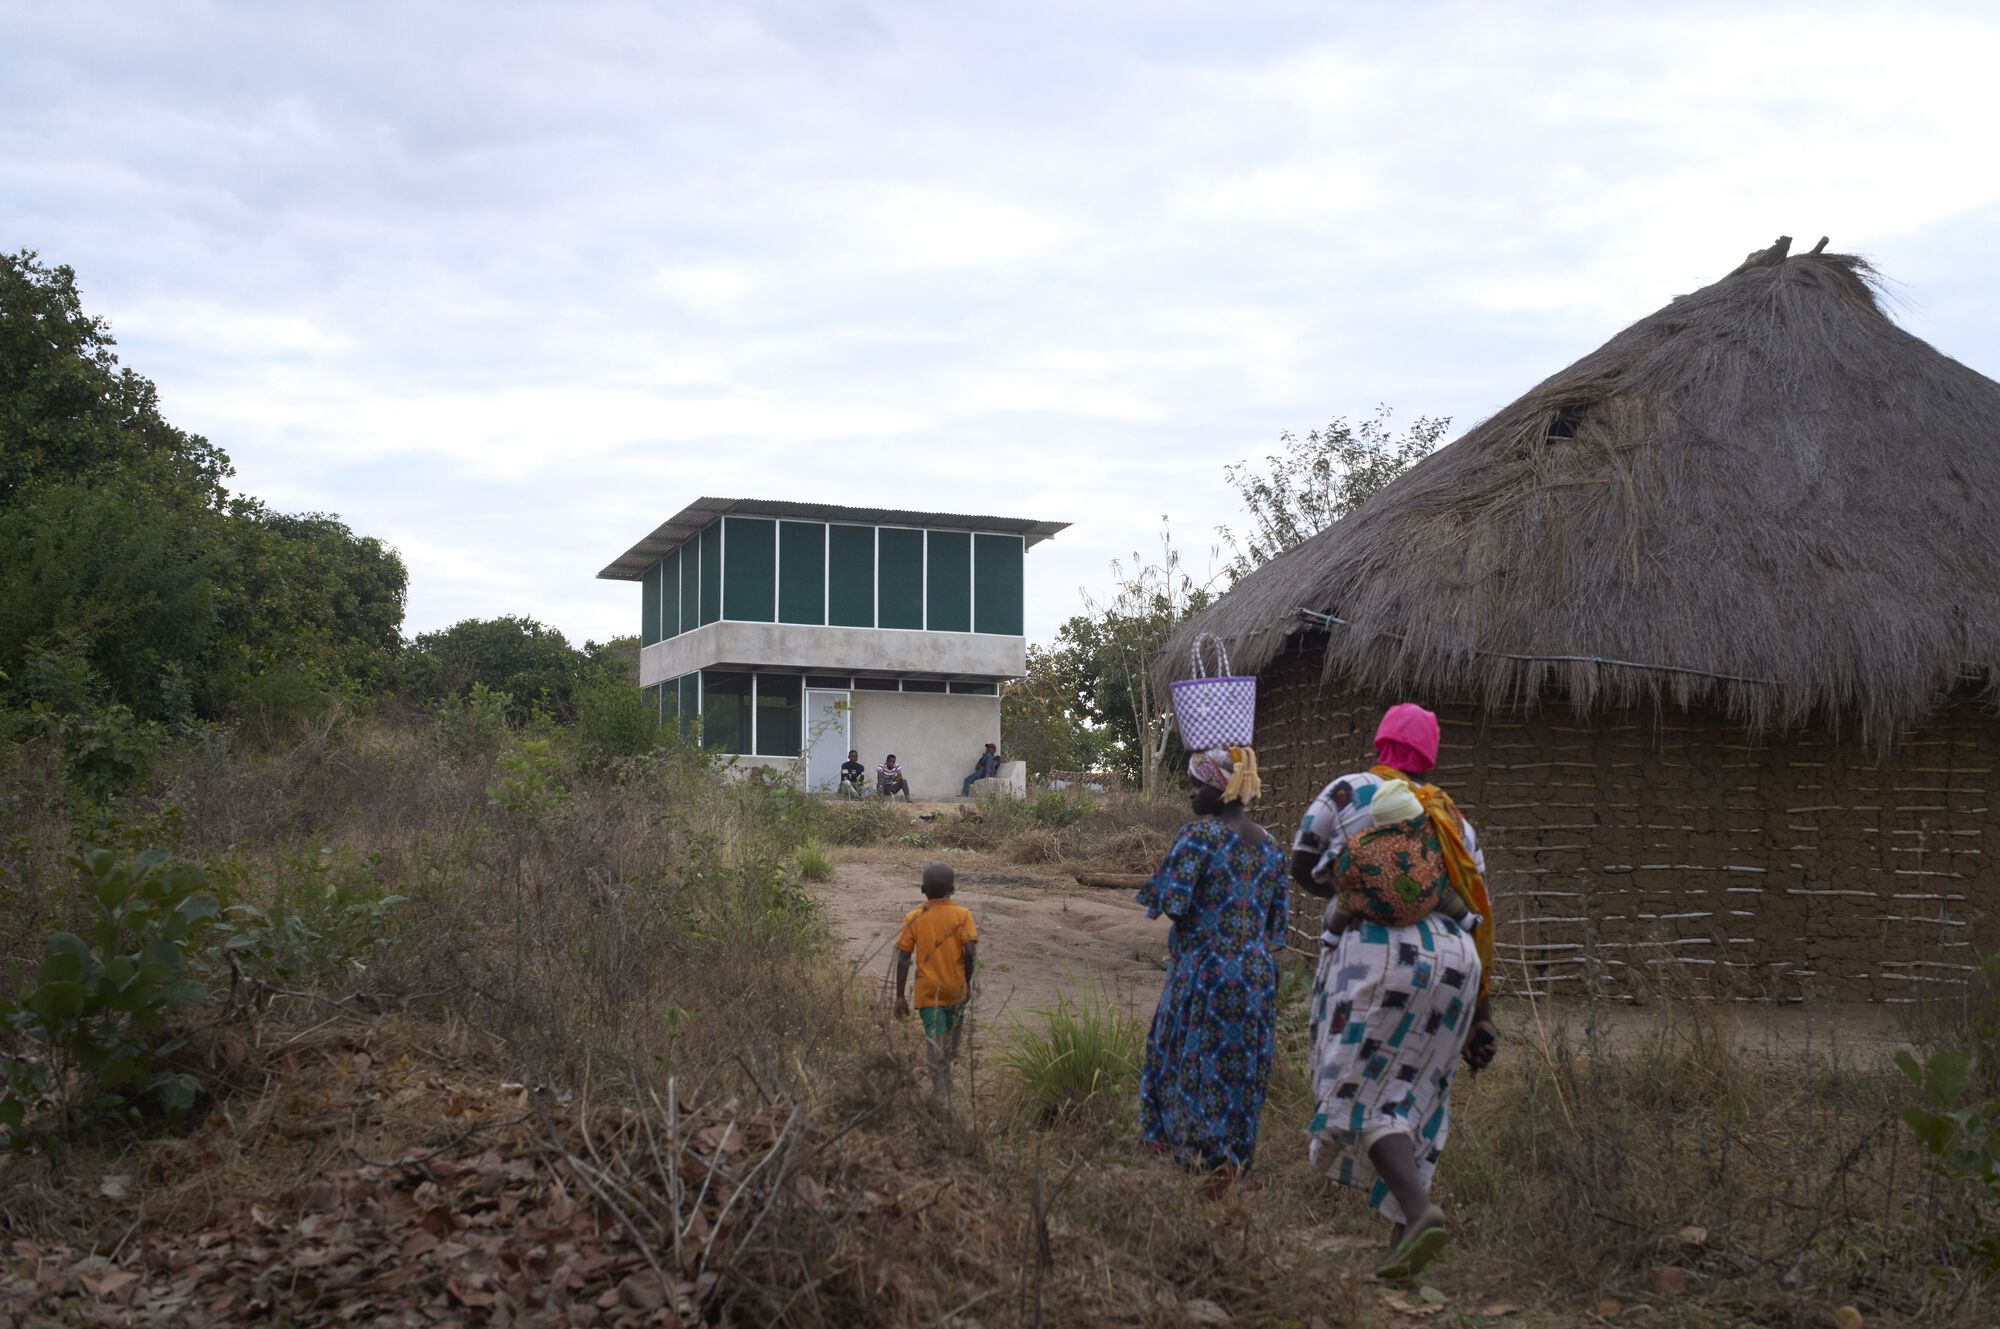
x=1221 y=655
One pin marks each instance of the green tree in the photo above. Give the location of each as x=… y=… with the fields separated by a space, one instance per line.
x=1316 y=480
x=121 y=549
x=532 y=663
x=67 y=409
x=1043 y=718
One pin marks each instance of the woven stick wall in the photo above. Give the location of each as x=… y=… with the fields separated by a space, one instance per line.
x=1617 y=851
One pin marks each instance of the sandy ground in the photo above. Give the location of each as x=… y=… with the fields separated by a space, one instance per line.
x=1042 y=937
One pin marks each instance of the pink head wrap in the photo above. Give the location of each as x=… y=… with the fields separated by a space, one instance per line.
x=1408 y=738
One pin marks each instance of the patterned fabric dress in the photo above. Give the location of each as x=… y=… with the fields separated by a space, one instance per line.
x=1209 y=1054
x=1391 y=1008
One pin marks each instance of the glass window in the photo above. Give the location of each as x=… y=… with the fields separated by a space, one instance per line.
x=689 y=688
x=750 y=569
x=827 y=681
x=996 y=584
x=948 y=581
x=711 y=573
x=876 y=685
x=670 y=596
x=850 y=582
x=725 y=711
x=976 y=689
x=801 y=572
x=690 y=586
x=779 y=714
x=899 y=579
x=649 y=606
x=923 y=685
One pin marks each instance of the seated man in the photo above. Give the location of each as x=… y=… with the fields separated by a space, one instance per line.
x=889 y=779
x=986 y=767
x=851 y=774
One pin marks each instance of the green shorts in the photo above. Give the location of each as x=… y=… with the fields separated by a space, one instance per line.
x=941 y=1020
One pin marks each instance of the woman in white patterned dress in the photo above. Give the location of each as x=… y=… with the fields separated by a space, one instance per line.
x=1393 y=1009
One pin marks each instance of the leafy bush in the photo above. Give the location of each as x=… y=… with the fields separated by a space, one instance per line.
x=471 y=727
x=96 y=1012
x=531 y=787
x=325 y=915
x=1957 y=1117
x=815 y=864
x=614 y=719
x=1081 y=1054
x=1056 y=809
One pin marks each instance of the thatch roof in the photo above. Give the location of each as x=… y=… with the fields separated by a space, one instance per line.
x=1766 y=479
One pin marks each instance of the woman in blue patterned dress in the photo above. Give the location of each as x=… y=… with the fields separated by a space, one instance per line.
x=1209 y=1054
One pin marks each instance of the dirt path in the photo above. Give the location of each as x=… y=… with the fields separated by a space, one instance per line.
x=1042 y=937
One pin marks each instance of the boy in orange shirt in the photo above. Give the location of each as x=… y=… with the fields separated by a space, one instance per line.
x=943 y=941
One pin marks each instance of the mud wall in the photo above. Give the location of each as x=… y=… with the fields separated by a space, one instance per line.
x=1649 y=849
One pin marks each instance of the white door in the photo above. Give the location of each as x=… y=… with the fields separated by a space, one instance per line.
x=827 y=742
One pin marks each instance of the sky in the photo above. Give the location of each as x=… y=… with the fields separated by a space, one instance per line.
x=507 y=285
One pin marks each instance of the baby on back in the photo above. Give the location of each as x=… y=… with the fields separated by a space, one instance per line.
x=1394 y=872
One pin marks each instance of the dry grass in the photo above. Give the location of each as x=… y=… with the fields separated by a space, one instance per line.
x=648 y=929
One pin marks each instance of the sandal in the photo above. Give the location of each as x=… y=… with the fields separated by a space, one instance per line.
x=1414 y=1255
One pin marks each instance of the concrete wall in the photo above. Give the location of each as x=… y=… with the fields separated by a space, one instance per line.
x=936 y=737
x=834 y=651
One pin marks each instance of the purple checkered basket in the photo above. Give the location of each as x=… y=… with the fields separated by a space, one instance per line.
x=1215 y=710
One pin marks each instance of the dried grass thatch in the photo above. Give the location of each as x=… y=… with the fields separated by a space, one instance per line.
x=1765 y=480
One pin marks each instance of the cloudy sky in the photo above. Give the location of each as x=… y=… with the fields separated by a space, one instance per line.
x=507 y=284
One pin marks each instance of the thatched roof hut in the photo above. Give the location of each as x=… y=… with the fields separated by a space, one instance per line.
x=1762 y=517
x=1764 y=480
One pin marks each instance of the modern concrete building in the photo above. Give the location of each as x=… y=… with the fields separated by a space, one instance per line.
x=796 y=631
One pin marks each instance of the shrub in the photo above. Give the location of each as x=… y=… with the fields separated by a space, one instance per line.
x=614 y=719
x=1056 y=808
x=326 y=913
x=860 y=821
x=98 y=1009
x=815 y=864
x=1081 y=1054
x=472 y=727
x=1957 y=1116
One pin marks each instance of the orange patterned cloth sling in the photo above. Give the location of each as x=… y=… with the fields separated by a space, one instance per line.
x=1466 y=878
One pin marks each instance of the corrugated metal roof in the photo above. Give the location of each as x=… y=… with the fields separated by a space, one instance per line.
x=675 y=530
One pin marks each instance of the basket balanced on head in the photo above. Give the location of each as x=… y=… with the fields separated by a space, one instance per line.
x=1214 y=711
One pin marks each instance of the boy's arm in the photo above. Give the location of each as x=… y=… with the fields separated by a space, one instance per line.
x=971 y=959
x=902 y=982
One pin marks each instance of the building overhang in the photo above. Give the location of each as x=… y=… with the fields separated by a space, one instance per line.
x=882 y=652
x=677 y=529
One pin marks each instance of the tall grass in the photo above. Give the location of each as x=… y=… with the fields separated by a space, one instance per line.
x=1077 y=1057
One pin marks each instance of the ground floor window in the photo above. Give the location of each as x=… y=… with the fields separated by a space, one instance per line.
x=725 y=711
x=779 y=715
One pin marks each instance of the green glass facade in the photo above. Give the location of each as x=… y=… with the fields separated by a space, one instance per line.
x=947 y=581
x=899 y=578
x=749 y=569
x=850 y=576
x=802 y=572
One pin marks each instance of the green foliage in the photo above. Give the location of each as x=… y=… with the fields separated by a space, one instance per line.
x=96 y=1013
x=1956 y=1118
x=1056 y=809
x=531 y=786
x=615 y=719
x=472 y=727
x=326 y=913
x=119 y=546
x=66 y=408
x=529 y=662
x=1080 y=1056
x=815 y=864
x=1042 y=717
x=1318 y=479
